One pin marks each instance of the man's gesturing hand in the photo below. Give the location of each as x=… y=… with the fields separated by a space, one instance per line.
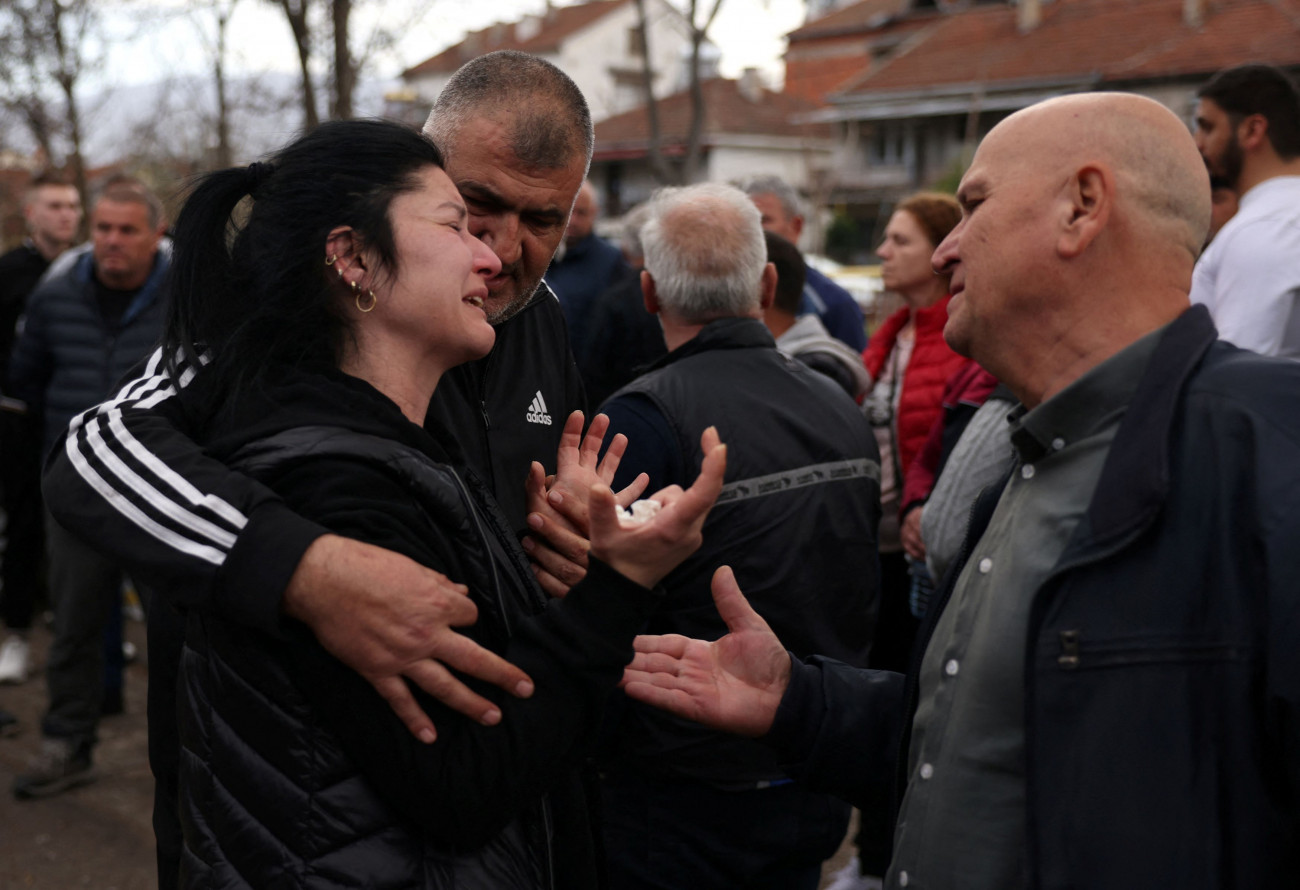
x=734 y=684
x=645 y=552
x=387 y=617
x=558 y=505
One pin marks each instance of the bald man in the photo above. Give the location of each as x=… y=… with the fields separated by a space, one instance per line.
x=1107 y=692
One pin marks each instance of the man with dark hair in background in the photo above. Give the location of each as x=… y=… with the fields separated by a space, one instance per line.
x=1248 y=131
x=86 y=327
x=52 y=209
x=804 y=337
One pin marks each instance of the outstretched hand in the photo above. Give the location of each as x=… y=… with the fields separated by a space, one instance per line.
x=579 y=466
x=388 y=617
x=646 y=551
x=733 y=684
x=558 y=506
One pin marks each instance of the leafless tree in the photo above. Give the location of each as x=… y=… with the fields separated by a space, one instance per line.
x=699 y=30
x=45 y=48
x=311 y=20
x=697 y=17
x=224 y=155
x=211 y=21
x=654 y=146
x=345 y=66
x=205 y=120
x=297 y=12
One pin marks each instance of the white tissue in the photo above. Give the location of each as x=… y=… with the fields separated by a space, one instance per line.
x=639 y=512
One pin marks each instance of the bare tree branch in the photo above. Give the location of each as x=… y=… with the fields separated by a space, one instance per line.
x=654 y=147
x=45 y=46
x=296 y=11
x=694 y=136
x=345 y=70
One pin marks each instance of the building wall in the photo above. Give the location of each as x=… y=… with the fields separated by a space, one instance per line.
x=592 y=55
x=427 y=88
x=1178 y=97
x=600 y=58
x=624 y=184
x=920 y=152
x=814 y=68
x=795 y=166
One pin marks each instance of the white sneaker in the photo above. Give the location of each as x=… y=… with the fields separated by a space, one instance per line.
x=14 y=655
x=850 y=877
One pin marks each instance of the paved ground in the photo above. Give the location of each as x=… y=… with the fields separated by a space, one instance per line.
x=97 y=836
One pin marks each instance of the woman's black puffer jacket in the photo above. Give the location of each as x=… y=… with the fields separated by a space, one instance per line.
x=295 y=772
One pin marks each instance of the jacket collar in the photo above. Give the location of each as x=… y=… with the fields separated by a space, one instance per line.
x=929 y=320
x=148 y=293
x=1135 y=478
x=725 y=333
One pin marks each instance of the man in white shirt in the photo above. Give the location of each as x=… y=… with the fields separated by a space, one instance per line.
x=1248 y=131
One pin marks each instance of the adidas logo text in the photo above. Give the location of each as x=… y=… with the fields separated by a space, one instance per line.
x=537 y=411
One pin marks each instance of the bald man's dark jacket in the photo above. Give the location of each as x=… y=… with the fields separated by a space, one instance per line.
x=1162 y=661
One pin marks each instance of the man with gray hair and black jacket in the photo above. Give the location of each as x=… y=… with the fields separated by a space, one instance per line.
x=686 y=807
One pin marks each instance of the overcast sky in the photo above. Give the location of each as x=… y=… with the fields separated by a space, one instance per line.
x=749 y=33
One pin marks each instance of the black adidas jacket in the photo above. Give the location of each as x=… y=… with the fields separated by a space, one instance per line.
x=507 y=410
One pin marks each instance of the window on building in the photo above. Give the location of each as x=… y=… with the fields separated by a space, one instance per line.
x=635 y=42
x=888 y=143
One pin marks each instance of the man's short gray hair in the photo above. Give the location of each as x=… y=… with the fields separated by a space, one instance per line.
x=122 y=188
x=548 y=118
x=778 y=188
x=630 y=240
x=704 y=248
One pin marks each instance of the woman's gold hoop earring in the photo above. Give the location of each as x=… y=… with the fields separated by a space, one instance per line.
x=371 y=300
x=333 y=258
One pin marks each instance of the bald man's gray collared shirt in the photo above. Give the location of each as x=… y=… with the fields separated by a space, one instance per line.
x=962 y=823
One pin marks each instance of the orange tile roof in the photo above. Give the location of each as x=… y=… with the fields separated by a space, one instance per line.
x=825 y=61
x=813 y=79
x=726 y=111
x=1104 y=41
x=852 y=18
x=560 y=22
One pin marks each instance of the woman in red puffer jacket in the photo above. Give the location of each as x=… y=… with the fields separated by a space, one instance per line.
x=910 y=364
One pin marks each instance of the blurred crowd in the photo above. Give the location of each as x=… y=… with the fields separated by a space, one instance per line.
x=479 y=550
